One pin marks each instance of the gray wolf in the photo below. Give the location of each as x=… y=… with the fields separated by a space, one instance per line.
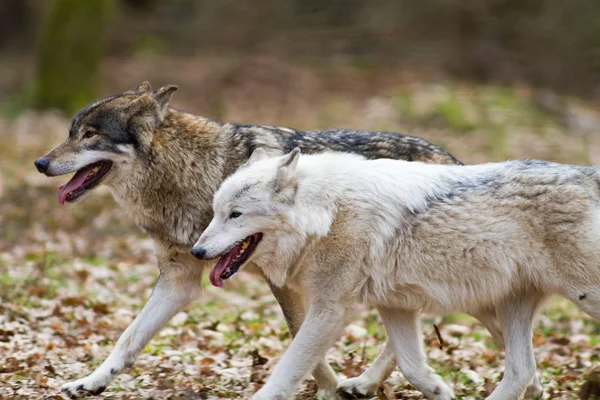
x=408 y=238
x=164 y=166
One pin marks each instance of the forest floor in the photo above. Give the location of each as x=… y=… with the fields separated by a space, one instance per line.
x=72 y=278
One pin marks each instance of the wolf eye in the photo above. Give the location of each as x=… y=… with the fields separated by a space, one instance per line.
x=234 y=214
x=88 y=134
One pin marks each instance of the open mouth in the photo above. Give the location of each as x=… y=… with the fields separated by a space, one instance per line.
x=230 y=263
x=85 y=179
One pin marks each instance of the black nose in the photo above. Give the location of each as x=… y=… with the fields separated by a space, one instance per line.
x=42 y=164
x=198 y=252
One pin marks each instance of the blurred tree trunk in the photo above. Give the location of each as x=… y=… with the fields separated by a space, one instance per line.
x=71 y=47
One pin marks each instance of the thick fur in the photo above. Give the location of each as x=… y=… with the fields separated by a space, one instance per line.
x=412 y=237
x=167 y=166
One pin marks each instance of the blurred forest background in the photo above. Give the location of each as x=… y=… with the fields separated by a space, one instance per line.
x=488 y=80
x=399 y=65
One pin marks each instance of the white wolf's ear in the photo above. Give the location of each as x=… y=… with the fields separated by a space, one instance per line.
x=162 y=97
x=257 y=155
x=287 y=168
x=261 y=153
x=290 y=160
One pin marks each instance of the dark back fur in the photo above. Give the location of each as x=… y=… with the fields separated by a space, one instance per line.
x=182 y=160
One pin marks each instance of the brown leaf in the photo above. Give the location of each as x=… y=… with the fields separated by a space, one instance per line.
x=563 y=341
x=50 y=369
x=43 y=382
x=100 y=308
x=73 y=301
x=489 y=386
x=82 y=275
x=164 y=384
x=57 y=311
x=207 y=361
x=37 y=290
x=86 y=334
x=257 y=359
x=6 y=335
x=538 y=339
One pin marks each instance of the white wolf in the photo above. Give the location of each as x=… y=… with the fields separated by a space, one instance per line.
x=407 y=237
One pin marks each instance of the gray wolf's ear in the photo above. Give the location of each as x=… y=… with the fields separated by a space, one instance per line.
x=287 y=168
x=162 y=97
x=143 y=87
x=147 y=112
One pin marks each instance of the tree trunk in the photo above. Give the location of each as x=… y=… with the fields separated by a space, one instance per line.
x=70 y=51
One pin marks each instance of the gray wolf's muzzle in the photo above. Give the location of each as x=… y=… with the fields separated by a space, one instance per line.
x=42 y=164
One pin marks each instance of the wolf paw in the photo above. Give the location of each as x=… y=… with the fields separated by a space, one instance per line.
x=442 y=392
x=88 y=386
x=268 y=392
x=534 y=390
x=326 y=394
x=357 y=388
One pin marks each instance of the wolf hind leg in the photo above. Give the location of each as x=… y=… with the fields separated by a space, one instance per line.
x=515 y=315
x=489 y=320
x=404 y=333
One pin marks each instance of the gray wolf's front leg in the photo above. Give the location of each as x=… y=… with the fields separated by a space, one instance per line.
x=177 y=286
x=404 y=334
x=293 y=305
x=322 y=326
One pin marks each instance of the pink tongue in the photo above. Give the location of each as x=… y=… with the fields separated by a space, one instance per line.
x=75 y=182
x=222 y=264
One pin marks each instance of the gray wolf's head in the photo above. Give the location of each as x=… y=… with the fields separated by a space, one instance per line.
x=105 y=140
x=252 y=209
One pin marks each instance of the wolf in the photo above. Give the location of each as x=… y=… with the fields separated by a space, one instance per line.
x=163 y=166
x=408 y=238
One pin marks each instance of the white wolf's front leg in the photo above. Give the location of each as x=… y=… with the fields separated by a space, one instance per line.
x=293 y=305
x=321 y=327
x=404 y=333
x=177 y=286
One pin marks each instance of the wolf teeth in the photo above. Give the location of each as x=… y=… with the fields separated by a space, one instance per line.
x=93 y=171
x=238 y=255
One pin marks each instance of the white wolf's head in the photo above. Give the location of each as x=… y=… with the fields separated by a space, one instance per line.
x=251 y=209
